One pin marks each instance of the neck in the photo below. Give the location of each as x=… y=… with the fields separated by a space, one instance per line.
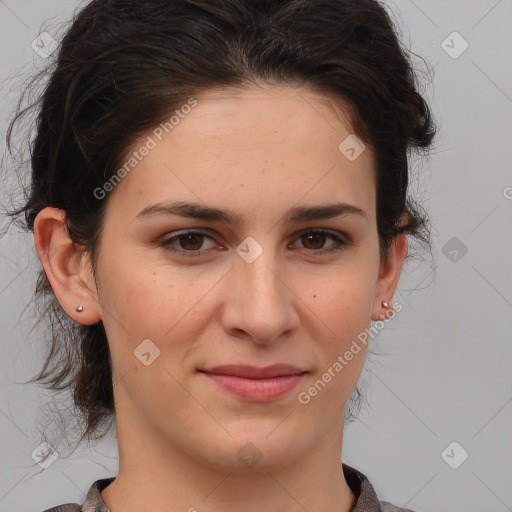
x=156 y=475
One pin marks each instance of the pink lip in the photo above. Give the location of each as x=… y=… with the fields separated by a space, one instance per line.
x=253 y=372
x=256 y=384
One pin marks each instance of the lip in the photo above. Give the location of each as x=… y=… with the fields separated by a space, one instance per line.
x=254 y=372
x=256 y=384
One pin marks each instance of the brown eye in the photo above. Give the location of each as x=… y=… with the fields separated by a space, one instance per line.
x=191 y=241
x=188 y=244
x=313 y=240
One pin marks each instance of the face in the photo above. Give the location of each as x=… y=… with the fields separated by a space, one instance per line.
x=180 y=293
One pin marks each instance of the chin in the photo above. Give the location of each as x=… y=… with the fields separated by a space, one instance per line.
x=258 y=453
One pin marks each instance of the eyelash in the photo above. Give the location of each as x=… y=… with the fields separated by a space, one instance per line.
x=340 y=244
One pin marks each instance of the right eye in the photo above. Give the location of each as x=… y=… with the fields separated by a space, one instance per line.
x=190 y=241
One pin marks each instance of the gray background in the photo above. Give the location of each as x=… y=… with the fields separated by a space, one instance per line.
x=445 y=376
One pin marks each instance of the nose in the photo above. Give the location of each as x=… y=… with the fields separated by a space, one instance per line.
x=259 y=302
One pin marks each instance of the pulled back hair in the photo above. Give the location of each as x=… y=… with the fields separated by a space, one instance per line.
x=124 y=65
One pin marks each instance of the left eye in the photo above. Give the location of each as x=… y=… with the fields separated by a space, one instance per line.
x=319 y=236
x=191 y=242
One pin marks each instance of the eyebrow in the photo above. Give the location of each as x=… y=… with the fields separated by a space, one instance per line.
x=208 y=213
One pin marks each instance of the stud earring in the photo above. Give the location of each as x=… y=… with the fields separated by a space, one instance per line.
x=80 y=308
x=385 y=304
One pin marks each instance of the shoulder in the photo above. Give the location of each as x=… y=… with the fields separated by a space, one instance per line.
x=68 y=507
x=366 y=497
x=93 y=501
x=388 y=507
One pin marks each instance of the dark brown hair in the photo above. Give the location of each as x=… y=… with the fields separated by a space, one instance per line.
x=124 y=65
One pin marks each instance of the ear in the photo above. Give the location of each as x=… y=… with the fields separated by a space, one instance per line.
x=67 y=269
x=389 y=274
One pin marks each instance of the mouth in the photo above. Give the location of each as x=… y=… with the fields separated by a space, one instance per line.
x=254 y=372
x=256 y=384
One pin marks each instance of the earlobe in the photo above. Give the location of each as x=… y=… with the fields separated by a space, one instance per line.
x=389 y=275
x=63 y=265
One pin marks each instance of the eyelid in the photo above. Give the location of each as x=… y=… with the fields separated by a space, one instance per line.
x=183 y=232
x=337 y=236
x=331 y=232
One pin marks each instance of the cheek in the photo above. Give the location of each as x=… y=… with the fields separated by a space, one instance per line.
x=339 y=310
x=342 y=301
x=340 y=316
x=154 y=301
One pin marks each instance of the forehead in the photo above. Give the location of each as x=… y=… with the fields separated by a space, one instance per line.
x=251 y=146
x=266 y=114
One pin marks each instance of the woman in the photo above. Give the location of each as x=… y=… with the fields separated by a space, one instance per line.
x=219 y=202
